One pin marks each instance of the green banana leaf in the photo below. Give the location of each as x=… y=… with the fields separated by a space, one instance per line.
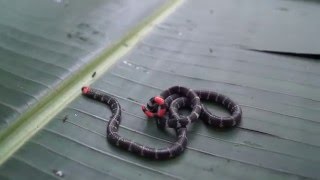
x=49 y=49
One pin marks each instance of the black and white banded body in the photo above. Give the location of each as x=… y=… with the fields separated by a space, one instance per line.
x=218 y=121
x=114 y=137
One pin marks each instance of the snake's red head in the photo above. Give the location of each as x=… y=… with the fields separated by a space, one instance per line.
x=159 y=100
x=85 y=89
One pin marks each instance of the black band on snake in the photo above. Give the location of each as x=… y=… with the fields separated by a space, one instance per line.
x=170 y=100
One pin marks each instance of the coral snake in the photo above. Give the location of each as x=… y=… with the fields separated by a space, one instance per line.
x=164 y=109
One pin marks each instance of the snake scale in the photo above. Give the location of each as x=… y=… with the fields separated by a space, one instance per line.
x=170 y=100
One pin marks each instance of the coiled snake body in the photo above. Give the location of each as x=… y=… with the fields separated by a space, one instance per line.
x=171 y=99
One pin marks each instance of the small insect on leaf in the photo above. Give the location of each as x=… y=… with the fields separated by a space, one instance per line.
x=94 y=74
x=65 y=118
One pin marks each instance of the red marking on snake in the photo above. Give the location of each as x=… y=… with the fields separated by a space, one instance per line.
x=161 y=112
x=146 y=112
x=159 y=100
x=85 y=90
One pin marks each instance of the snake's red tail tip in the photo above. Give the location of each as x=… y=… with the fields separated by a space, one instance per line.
x=85 y=89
